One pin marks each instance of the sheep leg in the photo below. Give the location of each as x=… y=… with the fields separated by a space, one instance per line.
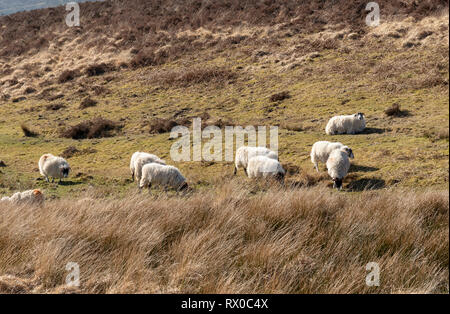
x=235 y=170
x=53 y=179
x=316 y=166
x=47 y=179
x=149 y=188
x=337 y=184
x=245 y=169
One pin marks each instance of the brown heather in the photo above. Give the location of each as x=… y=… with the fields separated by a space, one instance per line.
x=230 y=240
x=95 y=128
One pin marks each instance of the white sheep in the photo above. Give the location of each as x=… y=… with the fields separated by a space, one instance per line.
x=164 y=175
x=53 y=166
x=133 y=159
x=263 y=166
x=30 y=196
x=321 y=151
x=140 y=159
x=338 y=164
x=244 y=153
x=351 y=124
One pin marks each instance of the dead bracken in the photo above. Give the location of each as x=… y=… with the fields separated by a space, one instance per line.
x=95 y=128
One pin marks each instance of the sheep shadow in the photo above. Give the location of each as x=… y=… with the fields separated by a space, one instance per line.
x=372 y=131
x=366 y=184
x=358 y=168
x=68 y=183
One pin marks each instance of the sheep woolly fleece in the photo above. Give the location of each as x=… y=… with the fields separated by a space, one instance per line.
x=338 y=164
x=245 y=153
x=138 y=160
x=321 y=151
x=346 y=124
x=263 y=166
x=31 y=196
x=52 y=166
x=164 y=175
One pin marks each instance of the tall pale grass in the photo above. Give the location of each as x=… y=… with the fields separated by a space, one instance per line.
x=230 y=239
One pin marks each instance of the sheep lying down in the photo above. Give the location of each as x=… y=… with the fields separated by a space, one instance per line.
x=350 y=124
x=30 y=196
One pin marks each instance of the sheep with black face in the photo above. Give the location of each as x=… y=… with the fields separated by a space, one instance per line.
x=163 y=175
x=350 y=124
x=321 y=151
x=54 y=167
x=338 y=164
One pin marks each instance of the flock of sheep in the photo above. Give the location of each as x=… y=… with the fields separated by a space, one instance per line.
x=257 y=162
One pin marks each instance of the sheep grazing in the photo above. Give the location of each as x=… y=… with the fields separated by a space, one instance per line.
x=338 y=164
x=55 y=167
x=132 y=160
x=321 y=151
x=167 y=176
x=30 y=196
x=138 y=160
x=263 y=167
x=245 y=153
x=351 y=124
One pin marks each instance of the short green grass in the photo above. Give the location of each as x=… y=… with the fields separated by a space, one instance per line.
x=395 y=152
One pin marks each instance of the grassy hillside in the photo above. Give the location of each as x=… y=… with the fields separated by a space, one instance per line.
x=145 y=66
x=329 y=72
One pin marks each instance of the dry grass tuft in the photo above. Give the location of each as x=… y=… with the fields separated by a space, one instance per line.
x=435 y=135
x=87 y=102
x=292 y=125
x=29 y=90
x=27 y=131
x=55 y=107
x=95 y=128
x=161 y=125
x=72 y=151
x=99 y=69
x=165 y=125
x=230 y=239
x=291 y=169
x=442 y=134
x=184 y=77
x=395 y=111
x=67 y=75
x=280 y=96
